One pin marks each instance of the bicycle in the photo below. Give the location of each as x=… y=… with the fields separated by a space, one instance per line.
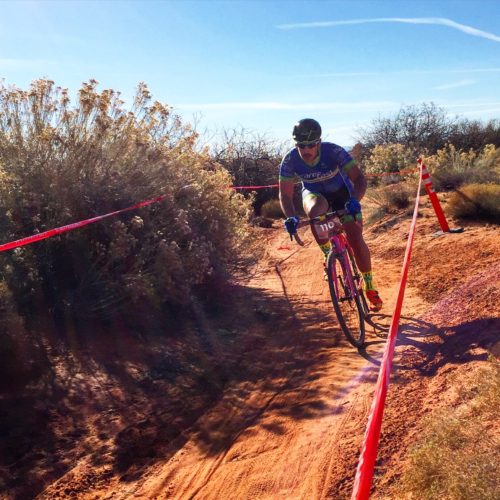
x=344 y=279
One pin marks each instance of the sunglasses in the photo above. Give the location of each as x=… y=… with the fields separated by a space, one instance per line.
x=307 y=146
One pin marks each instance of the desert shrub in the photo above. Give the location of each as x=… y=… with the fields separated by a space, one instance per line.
x=388 y=158
x=272 y=209
x=360 y=153
x=476 y=201
x=394 y=197
x=468 y=134
x=456 y=456
x=61 y=163
x=451 y=167
x=252 y=160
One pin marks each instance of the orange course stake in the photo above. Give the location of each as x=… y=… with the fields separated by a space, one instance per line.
x=426 y=179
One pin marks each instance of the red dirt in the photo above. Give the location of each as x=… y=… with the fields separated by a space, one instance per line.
x=275 y=405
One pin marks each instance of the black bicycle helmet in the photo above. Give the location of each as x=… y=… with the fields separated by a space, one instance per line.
x=306 y=130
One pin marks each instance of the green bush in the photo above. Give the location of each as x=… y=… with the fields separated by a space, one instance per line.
x=476 y=201
x=450 y=167
x=61 y=163
x=272 y=209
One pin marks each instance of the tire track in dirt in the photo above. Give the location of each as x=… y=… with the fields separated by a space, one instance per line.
x=291 y=441
x=292 y=417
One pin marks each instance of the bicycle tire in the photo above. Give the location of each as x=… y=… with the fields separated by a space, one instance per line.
x=359 y=283
x=348 y=307
x=368 y=315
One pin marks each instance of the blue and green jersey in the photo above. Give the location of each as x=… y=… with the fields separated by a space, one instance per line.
x=325 y=176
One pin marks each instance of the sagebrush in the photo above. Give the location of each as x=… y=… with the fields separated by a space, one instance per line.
x=451 y=167
x=60 y=163
x=252 y=160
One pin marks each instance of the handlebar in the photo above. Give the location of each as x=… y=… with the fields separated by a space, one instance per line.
x=320 y=218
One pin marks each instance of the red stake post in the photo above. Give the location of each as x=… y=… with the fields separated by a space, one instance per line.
x=426 y=179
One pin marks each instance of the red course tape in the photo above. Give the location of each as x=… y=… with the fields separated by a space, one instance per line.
x=59 y=230
x=381 y=174
x=366 y=465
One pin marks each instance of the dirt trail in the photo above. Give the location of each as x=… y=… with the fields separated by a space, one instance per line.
x=291 y=424
x=278 y=454
x=293 y=438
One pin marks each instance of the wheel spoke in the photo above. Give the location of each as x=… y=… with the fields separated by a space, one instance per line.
x=346 y=302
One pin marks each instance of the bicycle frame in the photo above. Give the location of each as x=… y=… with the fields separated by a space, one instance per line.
x=342 y=249
x=344 y=280
x=330 y=223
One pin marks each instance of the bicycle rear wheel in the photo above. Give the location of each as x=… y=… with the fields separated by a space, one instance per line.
x=346 y=300
x=358 y=283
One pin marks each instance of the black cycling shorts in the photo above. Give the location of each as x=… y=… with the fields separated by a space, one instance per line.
x=336 y=201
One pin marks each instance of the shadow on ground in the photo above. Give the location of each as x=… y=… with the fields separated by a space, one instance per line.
x=127 y=398
x=426 y=347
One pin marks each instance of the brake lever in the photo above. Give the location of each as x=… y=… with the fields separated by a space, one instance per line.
x=298 y=240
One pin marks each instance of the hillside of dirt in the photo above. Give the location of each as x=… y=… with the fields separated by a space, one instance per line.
x=260 y=396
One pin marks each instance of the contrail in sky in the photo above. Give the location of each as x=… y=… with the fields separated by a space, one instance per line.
x=415 y=20
x=461 y=83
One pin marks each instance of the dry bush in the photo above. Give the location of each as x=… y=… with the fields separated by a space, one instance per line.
x=427 y=127
x=389 y=159
x=272 y=209
x=457 y=456
x=252 y=160
x=476 y=201
x=61 y=163
x=450 y=167
x=394 y=197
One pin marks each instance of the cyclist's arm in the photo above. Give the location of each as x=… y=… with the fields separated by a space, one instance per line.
x=358 y=181
x=286 y=188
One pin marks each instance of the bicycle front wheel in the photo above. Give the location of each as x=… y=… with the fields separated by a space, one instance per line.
x=346 y=299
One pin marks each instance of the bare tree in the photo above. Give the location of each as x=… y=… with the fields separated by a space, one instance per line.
x=251 y=158
x=416 y=127
x=428 y=128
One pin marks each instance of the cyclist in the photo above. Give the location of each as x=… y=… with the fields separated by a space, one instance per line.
x=331 y=179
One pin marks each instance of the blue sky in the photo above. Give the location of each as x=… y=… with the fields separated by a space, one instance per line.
x=262 y=65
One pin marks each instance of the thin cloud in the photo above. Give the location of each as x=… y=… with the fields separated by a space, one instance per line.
x=23 y=63
x=476 y=105
x=455 y=85
x=492 y=111
x=282 y=106
x=469 y=30
x=403 y=72
x=359 y=73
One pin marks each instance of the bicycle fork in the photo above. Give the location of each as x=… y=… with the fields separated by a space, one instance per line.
x=346 y=281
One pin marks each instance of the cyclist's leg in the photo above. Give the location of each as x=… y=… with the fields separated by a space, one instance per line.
x=353 y=227
x=314 y=205
x=354 y=232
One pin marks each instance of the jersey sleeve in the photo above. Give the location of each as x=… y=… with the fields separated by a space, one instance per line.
x=351 y=163
x=346 y=161
x=287 y=172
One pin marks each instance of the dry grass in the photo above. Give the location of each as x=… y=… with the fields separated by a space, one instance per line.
x=390 y=199
x=272 y=209
x=477 y=201
x=457 y=457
